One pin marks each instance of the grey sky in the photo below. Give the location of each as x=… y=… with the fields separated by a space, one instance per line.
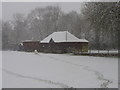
x=10 y=8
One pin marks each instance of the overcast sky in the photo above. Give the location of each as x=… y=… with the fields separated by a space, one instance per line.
x=10 y=8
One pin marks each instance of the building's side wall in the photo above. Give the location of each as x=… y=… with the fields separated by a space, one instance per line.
x=63 y=47
x=31 y=46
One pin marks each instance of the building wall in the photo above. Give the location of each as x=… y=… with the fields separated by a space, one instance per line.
x=62 y=47
x=31 y=46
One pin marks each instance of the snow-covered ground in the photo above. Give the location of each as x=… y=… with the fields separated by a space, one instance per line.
x=29 y=70
x=0 y=69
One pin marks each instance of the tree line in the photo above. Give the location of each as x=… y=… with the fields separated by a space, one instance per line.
x=97 y=22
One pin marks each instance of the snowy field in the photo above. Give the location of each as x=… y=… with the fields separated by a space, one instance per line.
x=29 y=70
x=0 y=69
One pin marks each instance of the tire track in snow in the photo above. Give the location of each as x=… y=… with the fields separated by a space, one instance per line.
x=56 y=59
x=37 y=79
x=100 y=76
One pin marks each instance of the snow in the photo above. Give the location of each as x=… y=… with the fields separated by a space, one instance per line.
x=30 y=41
x=41 y=70
x=62 y=36
x=104 y=51
x=0 y=69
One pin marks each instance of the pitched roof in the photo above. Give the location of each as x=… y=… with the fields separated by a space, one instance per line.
x=62 y=36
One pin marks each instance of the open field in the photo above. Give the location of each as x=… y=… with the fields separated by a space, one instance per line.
x=21 y=69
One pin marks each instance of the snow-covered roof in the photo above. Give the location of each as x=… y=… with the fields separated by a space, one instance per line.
x=62 y=36
x=30 y=41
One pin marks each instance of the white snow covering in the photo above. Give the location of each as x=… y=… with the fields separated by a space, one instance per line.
x=62 y=36
x=30 y=41
x=0 y=69
x=104 y=51
x=29 y=70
